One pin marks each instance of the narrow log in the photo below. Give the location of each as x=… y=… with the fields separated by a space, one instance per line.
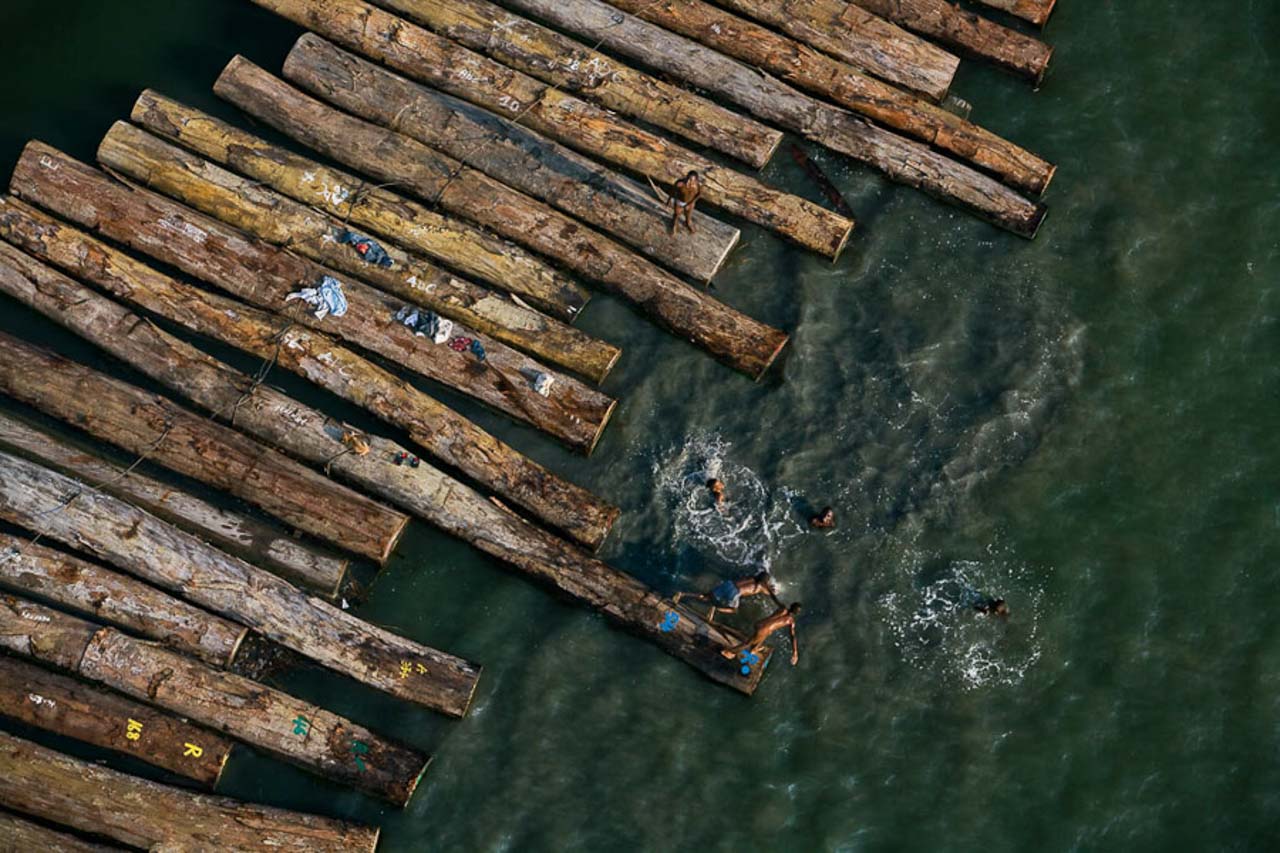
x=828 y=78
x=568 y=65
x=66 y=707
x=903 y=160
x=247 y=538
x=515 y=155
x=146 y=547
x=22 y=835
x=258 y=409
x=139 y=813
x=31 y=569
x=967 y=34
x=448 y=66
x=265 y=276
x=863 y=40
x=433 y=177
x=1033 y=11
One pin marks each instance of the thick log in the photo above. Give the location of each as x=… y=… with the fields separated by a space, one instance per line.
x=573 y=67
x=433 y=177
x=903 y=160
x=265 y=275
x=863 y=40
x=139 y=543
x=22 y=835
x=828 y=78
x=148 y=815
x=459 y=71
x=1033 y=11
x=256 y=408
x=967 y=34
x=247 y=538
x=31 y=569
x=67 y=707
x=515 y=155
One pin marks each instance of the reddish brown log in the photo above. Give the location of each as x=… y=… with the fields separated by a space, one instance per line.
x=1033 y=11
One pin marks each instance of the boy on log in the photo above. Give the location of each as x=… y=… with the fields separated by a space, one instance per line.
x=728 y=594
x=783 y=617
x=687 y=192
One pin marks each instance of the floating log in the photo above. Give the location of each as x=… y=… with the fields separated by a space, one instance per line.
x=515 y=155
x=1033 y=11
x=459 y=71
x=568 y=65
x=32 y=569
x=146 y=547
x=67 y=707
x=864 y=40
x=968 y=34
x=903 y=160
x=247 y=538
x=815 y=72
x=148 y=815
x=732 y=337
x=256 y=408
x=23 y=835
x=265 y=276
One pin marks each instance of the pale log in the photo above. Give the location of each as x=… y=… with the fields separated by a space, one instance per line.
x=23 y=835
x=1033 y=11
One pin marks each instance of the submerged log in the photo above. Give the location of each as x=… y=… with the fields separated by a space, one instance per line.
x=573 y=67
x=23 y=835
x=1033 y=11
x=903 y=160
x=140 y=813
x=968 y=34
x=66 y=707
x=247 y=538
x=433 y=177
x=146 y=547
x=265 y=276
x=459 y=71
x=256 y=408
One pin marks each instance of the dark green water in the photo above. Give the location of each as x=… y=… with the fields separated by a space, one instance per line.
x=1079 y=424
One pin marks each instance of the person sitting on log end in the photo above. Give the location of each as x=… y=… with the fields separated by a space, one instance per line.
x=824 y=520
x=728 y=594
x=687 y=192
x=783 y=617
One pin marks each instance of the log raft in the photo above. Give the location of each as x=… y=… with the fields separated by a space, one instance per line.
x=247 y=538
x=1032 y=11
x=265 y=276
x=66 y=707
x=258 y=409
x=434 y=177
x=23 y=835
x=142 y=814
x=437 y=61
x=142 y=545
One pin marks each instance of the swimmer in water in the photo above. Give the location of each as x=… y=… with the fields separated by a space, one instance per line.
x=728 y=594
x=783 y=617
x=824 y=520
x=992 y=607
x=716 y=487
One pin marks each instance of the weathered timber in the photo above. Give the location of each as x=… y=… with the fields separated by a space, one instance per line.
x=153 y=426
x=903 y=160
x=265 y=275
x=31 y=569
x=247 y=538
x=146 y=547
x=66 y=707
x=592 y=130
x=143 y=814
x=515 y=155
x=967 y=34
x=258 y=409
x=828 y=78
x=732 y=337
x=864 y=40
x=22 y=835
x=573 y=67
x=1033 y=11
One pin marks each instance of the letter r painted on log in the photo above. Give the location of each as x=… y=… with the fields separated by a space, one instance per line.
x=190 y=750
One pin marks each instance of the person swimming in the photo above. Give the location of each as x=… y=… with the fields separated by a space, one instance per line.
x=716 y=487
x=728 y=594
x=783 y=617
x=824 y=520
x=992 y=607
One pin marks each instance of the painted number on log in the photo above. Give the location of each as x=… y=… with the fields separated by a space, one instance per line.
x=301 y=726
x=134 y=730
x=407 y=668
x=359 y=749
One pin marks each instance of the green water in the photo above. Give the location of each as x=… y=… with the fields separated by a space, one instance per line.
x=1079 y=424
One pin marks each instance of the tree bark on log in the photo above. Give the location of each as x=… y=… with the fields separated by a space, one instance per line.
x=828 y=78
x=141 y=544
x=148 y=815
x=459 y=71
x=244 y=537
x=968 y=34
x=269 y=415
x=864 y=40
x=515 y=155
x=265 y=276
x=730 y=336
x=1032 y=11
x=573 y=67
x=903 y=160
x=66 y=707
x=30 y=569
x=23 y=835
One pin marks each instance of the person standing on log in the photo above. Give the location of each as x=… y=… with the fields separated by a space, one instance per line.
x=783 y=617
x=728 y=594
x=687 y=192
